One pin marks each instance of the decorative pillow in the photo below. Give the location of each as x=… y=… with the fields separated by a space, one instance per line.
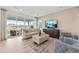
x=75 y=37
x=67 y=35
x=64 y=34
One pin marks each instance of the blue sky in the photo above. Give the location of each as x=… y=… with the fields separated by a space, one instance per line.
x=14 y=22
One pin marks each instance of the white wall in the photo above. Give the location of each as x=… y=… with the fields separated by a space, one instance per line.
x=68 y=20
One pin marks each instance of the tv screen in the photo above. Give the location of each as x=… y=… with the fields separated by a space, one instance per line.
x=51 y=24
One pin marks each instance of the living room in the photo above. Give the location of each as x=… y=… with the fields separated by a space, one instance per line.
x=39 y=29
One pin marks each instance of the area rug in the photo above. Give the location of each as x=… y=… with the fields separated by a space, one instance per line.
x=46 y=47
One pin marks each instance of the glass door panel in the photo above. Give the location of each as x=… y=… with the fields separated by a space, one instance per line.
x=20 y=25
x=32 y=23
x=10 y=26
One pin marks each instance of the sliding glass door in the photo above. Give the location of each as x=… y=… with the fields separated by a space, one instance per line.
x=10 y=26
x=30 y=22
x=20 y=25
x=14 y=25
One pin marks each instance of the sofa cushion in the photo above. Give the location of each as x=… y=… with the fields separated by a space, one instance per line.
x=75 y=37
x=64 y=34
x=61 y=47
x=67 y=34
x=69 y=40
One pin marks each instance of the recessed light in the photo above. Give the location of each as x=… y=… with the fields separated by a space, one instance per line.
x=20 y=9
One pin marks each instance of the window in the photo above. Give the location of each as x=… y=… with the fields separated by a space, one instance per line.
x=31 y=22
x=11 y=22
x=20 y=22
x=11 y=25
x=26 y=23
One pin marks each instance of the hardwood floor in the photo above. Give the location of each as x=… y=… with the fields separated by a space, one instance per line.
x=17 y=45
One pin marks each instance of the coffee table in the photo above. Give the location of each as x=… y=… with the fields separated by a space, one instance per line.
x=40 y=39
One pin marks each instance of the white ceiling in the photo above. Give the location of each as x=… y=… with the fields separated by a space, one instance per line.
x=35 y=11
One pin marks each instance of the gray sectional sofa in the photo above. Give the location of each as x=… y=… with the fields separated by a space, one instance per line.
x=67 y=43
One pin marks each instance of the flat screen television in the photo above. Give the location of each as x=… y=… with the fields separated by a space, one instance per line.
x=51 y=24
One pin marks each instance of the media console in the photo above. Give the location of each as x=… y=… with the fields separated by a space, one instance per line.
x=55 y=33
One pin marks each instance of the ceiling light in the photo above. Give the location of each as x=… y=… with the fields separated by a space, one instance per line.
x=78 y=15
x=20 y=9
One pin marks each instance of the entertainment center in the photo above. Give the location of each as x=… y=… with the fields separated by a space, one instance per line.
x=54 y=33
x=51 y=28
